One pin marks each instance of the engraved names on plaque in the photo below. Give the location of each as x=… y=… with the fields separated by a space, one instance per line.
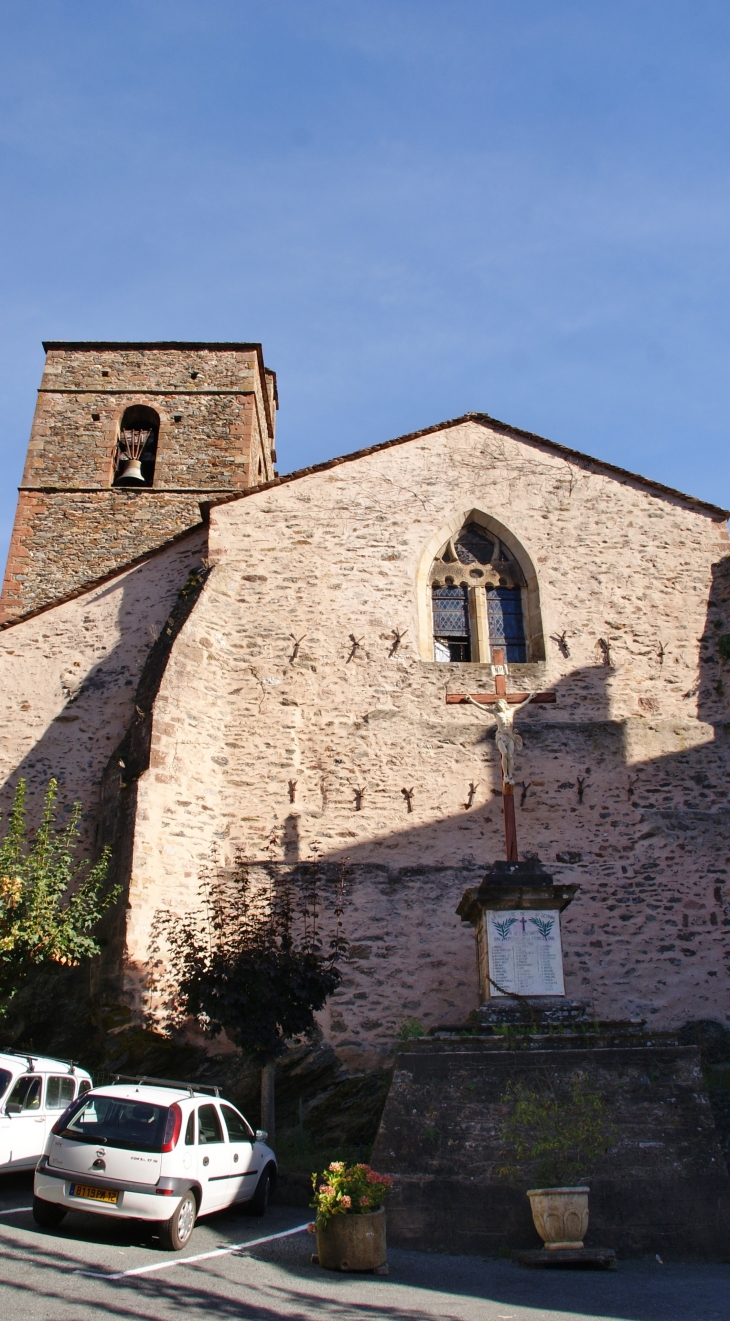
x=525 y=954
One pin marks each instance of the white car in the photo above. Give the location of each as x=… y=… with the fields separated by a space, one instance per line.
x=149 y=1149
x=34 y=1091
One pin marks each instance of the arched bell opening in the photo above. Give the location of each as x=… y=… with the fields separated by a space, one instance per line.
x=136 y=450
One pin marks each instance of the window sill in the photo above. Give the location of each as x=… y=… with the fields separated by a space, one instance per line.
x=513 y=667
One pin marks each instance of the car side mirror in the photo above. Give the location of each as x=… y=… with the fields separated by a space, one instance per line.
x=261 y=1135
x=13 y=1108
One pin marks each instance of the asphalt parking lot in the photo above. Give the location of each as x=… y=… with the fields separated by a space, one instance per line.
x=90 y=1265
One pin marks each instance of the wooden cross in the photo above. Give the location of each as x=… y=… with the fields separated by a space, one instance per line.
x=499 y=669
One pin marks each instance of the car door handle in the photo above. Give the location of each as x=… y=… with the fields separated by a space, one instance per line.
x=235 y=1158
x=206 y=1160
x=42 y=1120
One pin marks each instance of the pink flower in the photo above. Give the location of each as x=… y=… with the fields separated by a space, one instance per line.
x=346 y=1201
x=337 y=1165
x=364 y=1201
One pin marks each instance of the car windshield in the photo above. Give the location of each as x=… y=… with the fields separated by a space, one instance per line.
x=114 y=1122
x=5 y=1076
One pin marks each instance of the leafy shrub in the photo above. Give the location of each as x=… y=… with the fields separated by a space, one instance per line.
x=251 y=959
x=559 y=1127
x=48 y=906
x=410 y=1028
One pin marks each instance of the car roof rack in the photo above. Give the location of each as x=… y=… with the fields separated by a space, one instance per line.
x=192 y=1087
x=31 y=1055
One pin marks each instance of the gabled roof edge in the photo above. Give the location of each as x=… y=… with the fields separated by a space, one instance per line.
x=576 y=456
x=92 y=584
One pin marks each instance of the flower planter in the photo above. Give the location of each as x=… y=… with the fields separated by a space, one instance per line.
x=352 y=1242
x=560 y=1216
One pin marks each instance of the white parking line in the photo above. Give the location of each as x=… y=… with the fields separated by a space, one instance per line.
x=15 y=1209
x=186 y=1261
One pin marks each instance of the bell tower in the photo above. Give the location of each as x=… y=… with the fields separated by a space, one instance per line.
x=127 y=439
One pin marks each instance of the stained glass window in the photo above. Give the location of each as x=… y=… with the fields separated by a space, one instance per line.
x=450 y=612
x=473 y=546
x=506 y=625
x=451 y=623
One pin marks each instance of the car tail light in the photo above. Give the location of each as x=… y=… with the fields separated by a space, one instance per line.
x=173 y=1124
x=68 y=1114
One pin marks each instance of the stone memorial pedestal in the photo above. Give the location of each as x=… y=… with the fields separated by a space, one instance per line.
x=516 y=916
x=663 y=1186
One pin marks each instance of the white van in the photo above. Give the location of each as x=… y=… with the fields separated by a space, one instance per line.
x=34 y=1091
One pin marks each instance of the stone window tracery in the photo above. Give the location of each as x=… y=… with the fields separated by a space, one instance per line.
x=477 y=589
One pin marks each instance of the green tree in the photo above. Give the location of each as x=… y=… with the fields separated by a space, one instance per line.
x=49 y=901
x=251 y=960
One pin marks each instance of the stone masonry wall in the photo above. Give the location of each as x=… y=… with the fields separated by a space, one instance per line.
x=69 y=677
x=622 y=784
x=63 y=540
x=216 y=406
x=66 y=441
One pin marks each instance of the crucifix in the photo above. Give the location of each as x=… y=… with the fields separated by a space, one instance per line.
x=506 y=705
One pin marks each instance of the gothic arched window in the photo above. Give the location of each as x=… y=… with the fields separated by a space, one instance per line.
x=136 y=452
x=477 y=590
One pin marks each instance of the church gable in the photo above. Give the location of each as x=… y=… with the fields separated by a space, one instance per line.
x=303 y=713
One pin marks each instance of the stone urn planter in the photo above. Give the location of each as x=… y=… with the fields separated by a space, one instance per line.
x=353 y=1243
x=560 y=1216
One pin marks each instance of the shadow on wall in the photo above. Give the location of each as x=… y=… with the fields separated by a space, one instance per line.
x=109 y=769
x=77 y=743
x=646 y=833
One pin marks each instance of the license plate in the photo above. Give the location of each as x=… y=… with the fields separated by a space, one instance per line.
x=94 y=1194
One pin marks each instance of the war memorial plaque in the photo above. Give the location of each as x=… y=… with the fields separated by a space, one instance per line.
x=524 y=950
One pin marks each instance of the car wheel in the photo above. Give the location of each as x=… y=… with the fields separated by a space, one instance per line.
x=47 y=1214
x=260 y=1200
x=176 y=1231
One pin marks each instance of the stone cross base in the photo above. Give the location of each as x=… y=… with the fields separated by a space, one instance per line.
x=540 y=1010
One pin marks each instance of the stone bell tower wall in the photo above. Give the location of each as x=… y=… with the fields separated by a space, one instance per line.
x=216 y=404
x=285 y=696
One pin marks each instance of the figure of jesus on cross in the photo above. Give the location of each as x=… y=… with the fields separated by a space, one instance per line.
x=505 y=735
x=505 y=707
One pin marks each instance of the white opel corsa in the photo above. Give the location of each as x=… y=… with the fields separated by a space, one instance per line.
x=149 y=1149
x=34 y=1092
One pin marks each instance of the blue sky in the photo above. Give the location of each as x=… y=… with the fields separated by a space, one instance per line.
x=420 y=207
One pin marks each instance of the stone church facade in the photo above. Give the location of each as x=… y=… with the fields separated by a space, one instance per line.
x=221 y=657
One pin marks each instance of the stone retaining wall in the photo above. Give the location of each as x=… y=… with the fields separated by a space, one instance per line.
x=662 y=1186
